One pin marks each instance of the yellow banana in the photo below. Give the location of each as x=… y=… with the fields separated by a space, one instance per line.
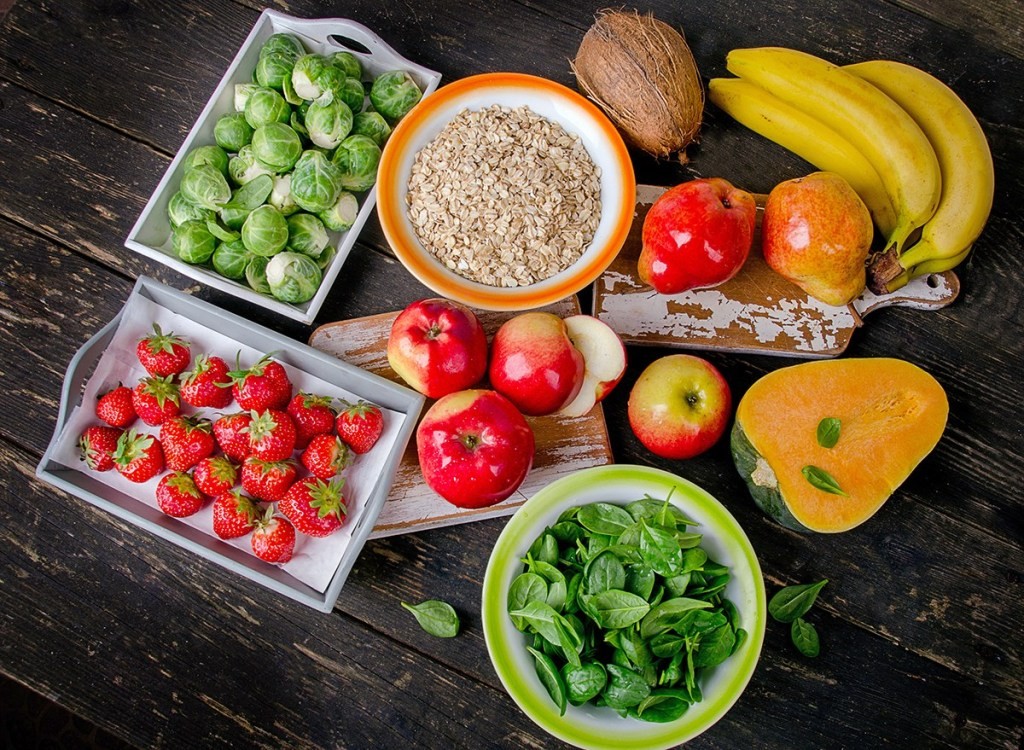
x=968 y=176
x=872 y=122
x=807 y=137
x=924 y=268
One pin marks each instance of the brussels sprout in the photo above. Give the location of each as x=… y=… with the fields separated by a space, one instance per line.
x=276 y=146
x=215 y=156
x=243 y=167
x=281 y=195
x=293 y=277
x=179 y=210
x=326 y=256
x=193 y=243
x=316 y=182
x=352 y=93
x=394 y=93
x=342 y=215
x=205 y=186
x=242 y=93
x=282 y=44
x=288 y=91
x=231 y=258
x=245 y=200
x=348 y=64
x=372 y=125
x=232 y=132
x=357 y=158
x=273 y=68
x=306 y=74
x=328 y=121
x=266 y=105
x=307 y=235
x=265 y=231
x=256 y=274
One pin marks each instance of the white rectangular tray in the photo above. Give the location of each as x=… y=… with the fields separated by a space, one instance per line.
x=151 y=235
x=125 y=500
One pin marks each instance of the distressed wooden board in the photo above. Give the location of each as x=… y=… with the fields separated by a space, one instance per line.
x=563 y=444
x=758 y=311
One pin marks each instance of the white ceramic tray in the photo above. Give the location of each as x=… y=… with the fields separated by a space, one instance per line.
x=319 y=568
x=151 y=235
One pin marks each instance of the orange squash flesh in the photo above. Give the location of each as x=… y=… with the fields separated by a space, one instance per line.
x=891 y=413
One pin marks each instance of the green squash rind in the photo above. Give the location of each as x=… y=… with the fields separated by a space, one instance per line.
x=761 y=481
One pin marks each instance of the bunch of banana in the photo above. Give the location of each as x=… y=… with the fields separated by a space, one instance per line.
x=903 y=140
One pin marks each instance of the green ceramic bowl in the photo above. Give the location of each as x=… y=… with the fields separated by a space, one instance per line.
x=594 y=727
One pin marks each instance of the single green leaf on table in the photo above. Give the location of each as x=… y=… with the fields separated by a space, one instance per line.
x=792 y=602
x=828 y=432
x=436 y=617
x=822 y=480
x=805 y=637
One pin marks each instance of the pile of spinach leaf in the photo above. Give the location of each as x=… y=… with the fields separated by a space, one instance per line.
x=621 y=607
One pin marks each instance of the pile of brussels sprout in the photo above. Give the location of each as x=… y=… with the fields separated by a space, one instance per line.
x=286 y=168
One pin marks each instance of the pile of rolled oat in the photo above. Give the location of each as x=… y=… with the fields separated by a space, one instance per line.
x=504 y=196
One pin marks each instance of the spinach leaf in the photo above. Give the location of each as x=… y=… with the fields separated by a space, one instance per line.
x=584 y=682
x=616 y=608
x=625 y=689
x=604 y=518
x=715 y=647
x=525 y=588
x=541 y=616
x=792 y=602
x=544 y=548
x=603 y=572
x=550 y=678
x=828 y=432
x=668 y=614
x=663 y=705
x=805 y=637
x=435 y=617
x=660 y=550
x=822 y=480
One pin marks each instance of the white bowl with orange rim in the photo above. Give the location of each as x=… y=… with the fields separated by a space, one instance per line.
x=550 y=100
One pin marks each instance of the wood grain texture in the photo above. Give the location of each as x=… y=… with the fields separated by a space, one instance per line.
x=563 y=444
x=920 y=621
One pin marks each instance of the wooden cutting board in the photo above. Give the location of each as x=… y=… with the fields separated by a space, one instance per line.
x=758 y=311
x=563 y=444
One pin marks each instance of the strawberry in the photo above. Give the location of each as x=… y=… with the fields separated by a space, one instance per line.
x=207 y=383
x=360 y=425
x=156 y=400
x=97 y=444
x=326 y=456
x=232 y=434
x=314 y=506
x=163 y=354
x=215 y=475
x=186 y=440
x=178 y=496
x=267 y=480
x=263 y=386
x=271 y=435
x=312 y=415
x=115 y=407
x=273 y=539
x=139 y=457
x=234 y=514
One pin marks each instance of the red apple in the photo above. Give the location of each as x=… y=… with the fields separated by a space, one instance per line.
x=698 y=234
x=679 y=406
x=475 y=448
x=438 y=347
x=534 y=363
x=604 y=361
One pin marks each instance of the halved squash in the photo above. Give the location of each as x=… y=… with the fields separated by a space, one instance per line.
x=888 y=414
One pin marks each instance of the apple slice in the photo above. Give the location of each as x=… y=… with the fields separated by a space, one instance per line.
x=604 y=361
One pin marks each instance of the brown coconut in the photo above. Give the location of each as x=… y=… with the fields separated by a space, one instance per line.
x=641 y=72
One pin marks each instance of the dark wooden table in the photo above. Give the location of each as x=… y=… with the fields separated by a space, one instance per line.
x=921 y=623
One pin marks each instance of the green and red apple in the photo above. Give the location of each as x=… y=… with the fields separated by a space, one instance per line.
x=697 y=234
x=474 y=448
x=604 y=361
x=438 y=347
x=817 y=232
x=680 y=406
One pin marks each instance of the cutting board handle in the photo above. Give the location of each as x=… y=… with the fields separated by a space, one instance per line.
x=923 y=293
